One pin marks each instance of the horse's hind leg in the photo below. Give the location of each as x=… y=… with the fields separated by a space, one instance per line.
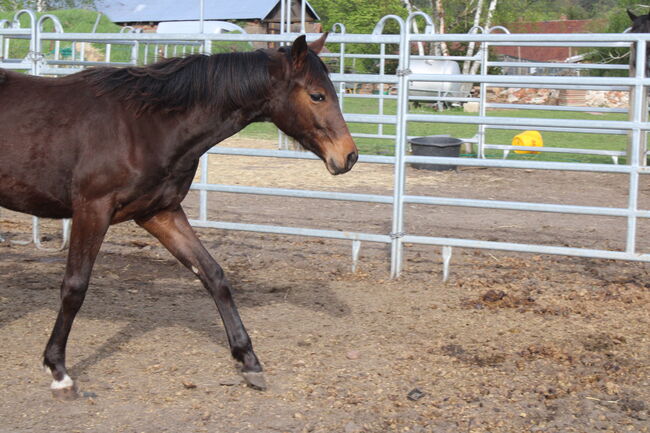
x=89 y=226
x=175 y=233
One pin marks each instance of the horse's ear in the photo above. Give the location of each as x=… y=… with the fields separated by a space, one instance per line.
x=299 y=52
x=318 y=44
x=631 y=15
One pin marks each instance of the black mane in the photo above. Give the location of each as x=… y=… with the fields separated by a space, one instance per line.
x=177 y=84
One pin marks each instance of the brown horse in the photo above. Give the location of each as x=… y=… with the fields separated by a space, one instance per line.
x=108 y=145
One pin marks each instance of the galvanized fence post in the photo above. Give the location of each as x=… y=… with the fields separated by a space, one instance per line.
x=639 y=110
x=400 y=149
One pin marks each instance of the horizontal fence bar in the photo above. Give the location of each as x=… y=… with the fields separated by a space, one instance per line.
x=520 y=80
x=525 y=206
x=455 y=58
x=234 y=37
x=555 y=129
x=379 y=136
x=16 y=33
x=527 y=121
x=559 y=86
x=85 y=63
x=16 y=66
x=526 y=248
x=360 y=56
x=556 y=149
x=59 y=71
x=368 y=96
x=267 y=153
x=369 y=118
x=562 y=39
x=282 y=230
x=533 y=165
x=442 y=99
x=293 y=193
x=364 y=78
x=555 y=108
x=572 y=44
x=558 y=65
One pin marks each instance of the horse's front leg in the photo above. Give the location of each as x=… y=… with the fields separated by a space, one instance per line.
x=89 y=225
x=173 y=230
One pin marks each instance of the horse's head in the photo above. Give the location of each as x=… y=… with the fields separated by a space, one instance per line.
x=640 y=23
x=304 y=104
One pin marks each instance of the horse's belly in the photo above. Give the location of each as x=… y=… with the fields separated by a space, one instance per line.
x=18 y=195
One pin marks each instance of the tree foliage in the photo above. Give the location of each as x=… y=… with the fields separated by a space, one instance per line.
x=460 y=13
x=616 y=21
x=12 y=5
x=359 y=16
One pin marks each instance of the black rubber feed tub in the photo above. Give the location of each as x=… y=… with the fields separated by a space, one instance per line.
x=435 y=145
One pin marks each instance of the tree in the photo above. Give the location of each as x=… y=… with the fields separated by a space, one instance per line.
x=617 y=21
x=360 y=16
x=44 y=5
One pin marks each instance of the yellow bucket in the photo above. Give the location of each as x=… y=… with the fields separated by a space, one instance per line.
x=528 y=138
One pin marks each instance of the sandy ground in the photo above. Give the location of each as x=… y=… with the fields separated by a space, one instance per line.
x=511 y=343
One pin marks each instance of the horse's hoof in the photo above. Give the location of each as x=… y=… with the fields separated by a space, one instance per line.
x=66 y=394
x=255 y=380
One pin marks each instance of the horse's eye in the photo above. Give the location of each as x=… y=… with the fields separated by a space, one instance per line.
x=317 y=97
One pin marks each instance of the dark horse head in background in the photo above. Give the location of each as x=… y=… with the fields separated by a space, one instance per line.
x=108 y=145
x=640 y=24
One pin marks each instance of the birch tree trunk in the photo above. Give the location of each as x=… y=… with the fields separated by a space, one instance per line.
x=472 y=45
x=410 y=8
x=488 y=23
x=439 y=48
x=435 y=46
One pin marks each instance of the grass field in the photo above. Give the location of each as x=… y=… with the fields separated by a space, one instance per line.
x=551 y=139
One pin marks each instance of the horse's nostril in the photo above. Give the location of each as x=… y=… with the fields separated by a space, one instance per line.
x=352 y=159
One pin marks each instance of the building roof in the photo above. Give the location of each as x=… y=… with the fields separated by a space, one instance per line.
x=544 y=54
x=134 y=11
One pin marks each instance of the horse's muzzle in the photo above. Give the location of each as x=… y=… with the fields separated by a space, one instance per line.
x=335 y=168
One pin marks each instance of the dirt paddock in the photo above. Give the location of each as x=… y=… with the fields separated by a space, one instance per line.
x=511 y=343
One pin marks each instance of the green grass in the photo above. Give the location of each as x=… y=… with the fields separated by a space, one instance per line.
x=494 y=136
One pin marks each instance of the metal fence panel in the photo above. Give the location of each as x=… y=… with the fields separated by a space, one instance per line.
x=142 y=48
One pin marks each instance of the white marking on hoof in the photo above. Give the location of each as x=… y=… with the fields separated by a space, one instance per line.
x=66 y=382
x=195 y=270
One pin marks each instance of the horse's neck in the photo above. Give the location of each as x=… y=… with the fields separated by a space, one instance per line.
x=200 y=130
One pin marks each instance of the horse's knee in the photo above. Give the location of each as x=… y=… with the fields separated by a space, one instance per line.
x=74 y=286
x=73 y=292
x=215 y=274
